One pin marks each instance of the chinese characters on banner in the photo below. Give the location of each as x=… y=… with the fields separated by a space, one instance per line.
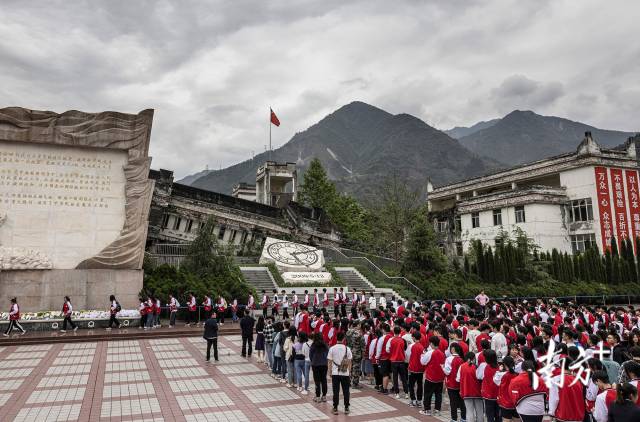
x=619 y=205
x=602 y=189
x=634 y=203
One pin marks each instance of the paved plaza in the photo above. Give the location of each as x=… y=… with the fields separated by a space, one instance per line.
x=164 y=380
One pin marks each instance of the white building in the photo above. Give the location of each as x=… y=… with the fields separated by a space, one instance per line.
x=567 y=202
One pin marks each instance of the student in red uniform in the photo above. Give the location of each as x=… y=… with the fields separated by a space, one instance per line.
x=67 y=309
x=208 y=307
x=191 y=308
x=606 y=396
x=451 y=366
x=142 y=309
x=470 y=389
x=396 y=349
x=158 y=310
x=433 y=360
x=503 y=378
x=14 y=318
x=566 y=403
x=114 y=308
x=173 y=310
x=382 y=356
x=485 y=372
x=416 y=369
x=528 y=397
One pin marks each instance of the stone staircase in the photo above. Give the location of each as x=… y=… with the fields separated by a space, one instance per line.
x=259 y=278
x=354 y=280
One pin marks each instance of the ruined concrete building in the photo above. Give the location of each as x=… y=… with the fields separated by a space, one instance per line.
x=178 y=210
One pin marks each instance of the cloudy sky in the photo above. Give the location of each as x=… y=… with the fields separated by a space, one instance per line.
x=211 y=69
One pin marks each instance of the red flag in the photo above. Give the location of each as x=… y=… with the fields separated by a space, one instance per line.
x=274 y=118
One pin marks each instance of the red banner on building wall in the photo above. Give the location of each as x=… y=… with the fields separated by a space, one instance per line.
x=604 y=207
x=634 y=203
x=619 y=205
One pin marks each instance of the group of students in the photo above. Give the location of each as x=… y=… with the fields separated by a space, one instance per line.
x=501 y=361
x=316 y=300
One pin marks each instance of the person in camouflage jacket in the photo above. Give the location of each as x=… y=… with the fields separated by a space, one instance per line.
x=355 y=341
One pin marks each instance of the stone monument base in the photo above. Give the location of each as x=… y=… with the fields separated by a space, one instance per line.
x=44 y=290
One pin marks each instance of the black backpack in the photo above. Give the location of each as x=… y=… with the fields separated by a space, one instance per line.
x=118 y=307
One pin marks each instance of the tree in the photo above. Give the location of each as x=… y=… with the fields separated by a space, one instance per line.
x=423 y=257
x=396 y=210
x=316 y=189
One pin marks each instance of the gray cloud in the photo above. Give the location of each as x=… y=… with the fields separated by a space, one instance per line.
x=212 y=69
x=525 y=93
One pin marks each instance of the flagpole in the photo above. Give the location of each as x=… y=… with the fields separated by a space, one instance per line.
x=270 y=111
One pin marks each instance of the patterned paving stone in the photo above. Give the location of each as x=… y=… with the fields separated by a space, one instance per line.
x=117 y=377
x=368 y=406
x=10 y=385
x=25 y=355
x=118 y=408
x=304 y=412
x=69 y=370
x=73 y=360
x=254 y=380
x=59 y=413
x=267 y=395
x=203 y=401
x=191 y=385
x=127 y=390
x=63 y=381
x=238 y=369
x=185 y=373
x=15 y=373
x=226 y=416
x=125 y=366
x=19 y=363
x=50 y=396
x=177 y=363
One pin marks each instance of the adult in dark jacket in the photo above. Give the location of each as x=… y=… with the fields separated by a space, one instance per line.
x=211 y=335
x=246 y=327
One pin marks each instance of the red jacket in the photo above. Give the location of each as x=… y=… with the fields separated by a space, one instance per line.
x=414 y=360
x=489 y=389
x=504 y=395
x=396 y=349
x=469 y=384
x=454 y=362
x=16 y=316
x=570 y=399
x=443 y=345
x=520 y=388
x=384 y=355
x=303 y=325
x=482 y=336
x=433 y=369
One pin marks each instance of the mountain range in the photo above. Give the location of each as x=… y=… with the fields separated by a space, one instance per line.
x=360 y=146
x=524 y=136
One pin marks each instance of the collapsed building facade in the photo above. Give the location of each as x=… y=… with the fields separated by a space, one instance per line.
x=178 y=211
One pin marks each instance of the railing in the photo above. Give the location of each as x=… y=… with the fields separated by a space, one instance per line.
x=380 y=261
x=174 y=253
x=338 y=256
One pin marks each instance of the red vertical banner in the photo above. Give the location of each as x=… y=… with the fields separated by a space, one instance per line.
x=619 y=205
x=634 y=204
x=604 y=207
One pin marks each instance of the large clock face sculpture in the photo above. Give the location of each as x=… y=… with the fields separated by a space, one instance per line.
x=292 y=253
